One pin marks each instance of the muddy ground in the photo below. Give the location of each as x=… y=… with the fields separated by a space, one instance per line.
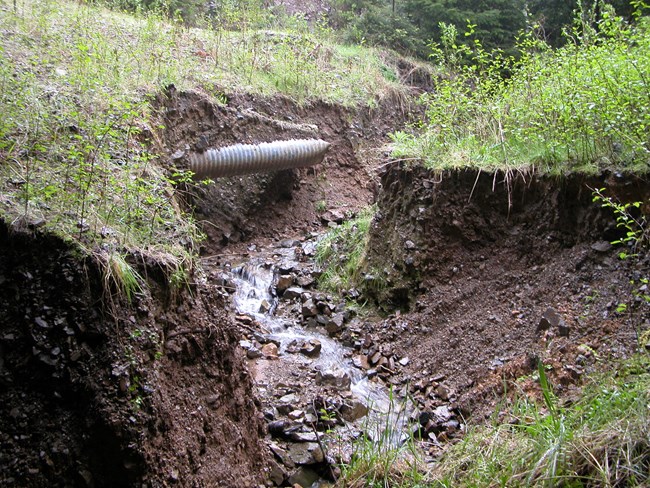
x=472 y=281
x=494 y=273
x=476 y=277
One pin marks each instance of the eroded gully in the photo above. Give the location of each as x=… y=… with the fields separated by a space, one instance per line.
x=319 y=386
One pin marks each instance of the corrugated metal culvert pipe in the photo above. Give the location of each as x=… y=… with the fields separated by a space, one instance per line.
x=242 y=159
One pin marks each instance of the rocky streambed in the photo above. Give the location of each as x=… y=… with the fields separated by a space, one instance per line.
x=322 y=376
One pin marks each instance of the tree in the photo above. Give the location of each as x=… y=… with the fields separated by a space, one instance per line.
x=496 y=21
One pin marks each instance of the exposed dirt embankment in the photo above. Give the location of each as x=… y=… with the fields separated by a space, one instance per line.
x=286 y=203
x=156 y=394
x=491 y=275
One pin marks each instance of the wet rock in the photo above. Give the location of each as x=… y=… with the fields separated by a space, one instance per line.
x=302 y=453
x=304 y=436
x=296 y=414
x=361 y=361
x=284 y=282
x=334 y=377
x=292 y=293
x=289 y=399
x=305 y=281
x=244 y=319
x=322 y=320
x=309 y=309
x=375 y=358
x=309 y=248
x=253 y=353
x=278 y=428
x=281 y=455
x=265 y=306
x=276 y=473
x=335 y=323
x=304 y=477
x=354 y=409
x=270 y=351
x=311 y=348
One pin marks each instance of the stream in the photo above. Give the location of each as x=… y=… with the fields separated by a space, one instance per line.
x=292 y=354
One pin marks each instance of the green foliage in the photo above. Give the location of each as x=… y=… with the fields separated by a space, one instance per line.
x=629 y=219
x=375 y=23
x=601 y=440
x=583 y=107
x=340 y=253
x=636 y=237
x=77 y=134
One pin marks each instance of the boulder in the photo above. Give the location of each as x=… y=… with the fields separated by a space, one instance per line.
x=270 y=351
x=334 y=377
x=311 y=348
x=284 y=282
x=309 y=309
x=354 y=409
x=304 y=477
x=292 y=292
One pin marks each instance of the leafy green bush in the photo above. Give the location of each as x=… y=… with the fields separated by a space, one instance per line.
x=583 y=107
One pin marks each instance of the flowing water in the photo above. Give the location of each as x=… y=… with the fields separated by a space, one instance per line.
x=254 y=296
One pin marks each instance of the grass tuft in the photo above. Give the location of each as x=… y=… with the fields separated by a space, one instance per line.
x=340 y=253
x=602 y=440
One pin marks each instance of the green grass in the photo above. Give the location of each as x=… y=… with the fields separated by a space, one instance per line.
x=603 y=439
x=581 y=108
x=377 y=460
x=78 y=140
x=340 y=253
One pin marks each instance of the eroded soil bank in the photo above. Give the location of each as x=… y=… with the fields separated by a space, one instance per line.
x=149 y=394
x=475 y=279
x=492 y=273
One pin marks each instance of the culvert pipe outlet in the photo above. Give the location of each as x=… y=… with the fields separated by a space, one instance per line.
x=243 y=159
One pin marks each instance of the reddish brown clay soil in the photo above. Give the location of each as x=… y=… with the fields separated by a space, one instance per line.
x=157 y=393
x=475 y=263
x=278 y=205
x=152 y=394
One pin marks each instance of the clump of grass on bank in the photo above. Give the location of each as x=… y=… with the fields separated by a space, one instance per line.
x=340 y=253
x=584 y=107
x=602 y=440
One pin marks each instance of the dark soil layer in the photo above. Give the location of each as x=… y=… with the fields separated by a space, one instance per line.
x=153 y=395
x=475 y=261
x=282 y=204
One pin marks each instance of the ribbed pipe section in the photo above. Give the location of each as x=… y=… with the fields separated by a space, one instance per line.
x=243 y=159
